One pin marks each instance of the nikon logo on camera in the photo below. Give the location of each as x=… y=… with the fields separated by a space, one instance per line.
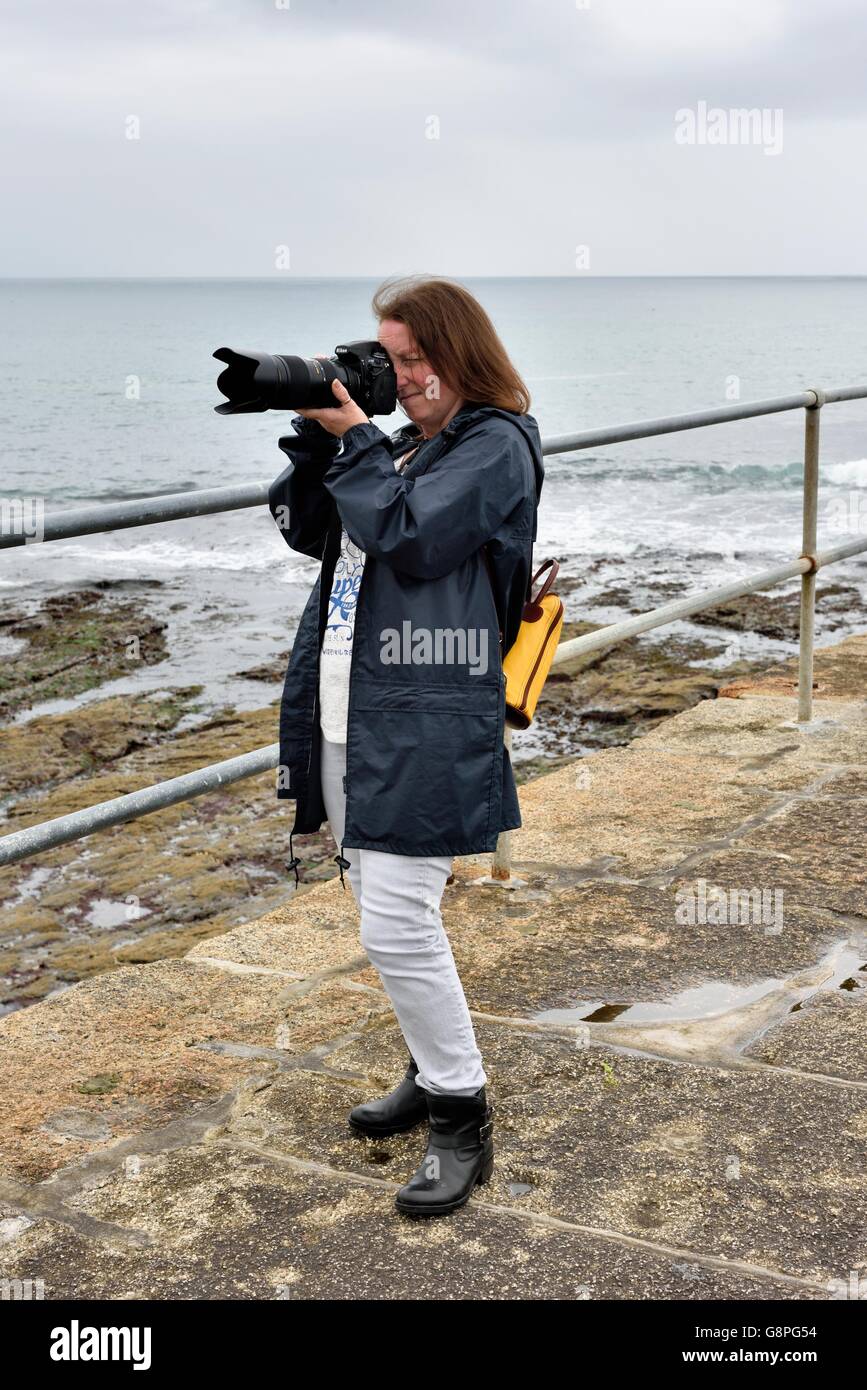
x=424 y=646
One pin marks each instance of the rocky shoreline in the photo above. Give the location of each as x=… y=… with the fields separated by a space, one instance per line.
x=72 y=642
x=152 y=889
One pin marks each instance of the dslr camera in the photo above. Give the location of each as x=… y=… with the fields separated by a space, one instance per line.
x=262 y=381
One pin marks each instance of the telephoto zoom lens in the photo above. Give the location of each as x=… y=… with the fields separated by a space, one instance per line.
x=262 y=381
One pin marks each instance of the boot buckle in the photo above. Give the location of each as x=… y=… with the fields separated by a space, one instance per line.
x=485 y=1130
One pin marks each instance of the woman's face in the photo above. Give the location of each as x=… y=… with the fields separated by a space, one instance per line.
x=424 y=396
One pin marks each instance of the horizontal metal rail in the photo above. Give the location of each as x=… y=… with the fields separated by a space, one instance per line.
x=697 y=419
x=38 y=838
x=695 y=603
x=140 y=511
x=173 y=506
x=34 y=839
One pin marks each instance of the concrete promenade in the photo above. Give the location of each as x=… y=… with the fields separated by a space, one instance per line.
x=671 y=1013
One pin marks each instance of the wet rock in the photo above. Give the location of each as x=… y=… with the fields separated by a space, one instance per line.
x=273 y=670
x=778 y=615
x=52 y=748
x=635 y=597
x=152 y=888
x=605 y=697
x=74 y=641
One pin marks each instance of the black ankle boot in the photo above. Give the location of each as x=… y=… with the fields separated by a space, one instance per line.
x=460 y=1153
x=393 y=1114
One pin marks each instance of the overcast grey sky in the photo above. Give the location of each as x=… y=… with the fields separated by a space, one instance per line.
x=462 y=137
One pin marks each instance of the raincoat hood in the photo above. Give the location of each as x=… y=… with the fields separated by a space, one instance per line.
x=469 y=413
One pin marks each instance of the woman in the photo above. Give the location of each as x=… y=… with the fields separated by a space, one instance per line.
x=393 y=708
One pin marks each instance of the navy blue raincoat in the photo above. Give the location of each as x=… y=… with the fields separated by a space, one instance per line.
x=427 y=772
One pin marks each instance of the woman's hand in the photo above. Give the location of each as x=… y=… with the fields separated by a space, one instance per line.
x=340 y=417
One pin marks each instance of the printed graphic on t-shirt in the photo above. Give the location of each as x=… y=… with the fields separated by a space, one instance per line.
x=337 y=640
x=344 y=598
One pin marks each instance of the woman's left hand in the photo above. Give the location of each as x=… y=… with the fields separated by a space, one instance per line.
x=339 y=418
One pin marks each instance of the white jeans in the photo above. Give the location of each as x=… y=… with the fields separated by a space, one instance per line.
x=403 y=934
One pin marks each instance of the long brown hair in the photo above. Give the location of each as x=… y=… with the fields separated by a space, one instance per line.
x=452 y=330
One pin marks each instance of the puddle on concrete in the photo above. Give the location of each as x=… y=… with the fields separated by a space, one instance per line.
x=704 y=1001
x=858 y=980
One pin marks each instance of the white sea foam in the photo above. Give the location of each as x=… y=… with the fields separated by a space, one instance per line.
x=165 y=555
x=853 y=473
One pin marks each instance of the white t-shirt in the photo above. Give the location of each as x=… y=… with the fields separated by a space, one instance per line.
x=336 y=655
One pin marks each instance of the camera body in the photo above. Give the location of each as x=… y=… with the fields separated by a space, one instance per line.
x=261 y=381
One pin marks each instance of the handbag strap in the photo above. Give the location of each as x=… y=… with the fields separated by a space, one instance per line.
x=555 y=566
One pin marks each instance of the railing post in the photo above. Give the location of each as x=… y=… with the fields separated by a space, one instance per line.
x=808 y=549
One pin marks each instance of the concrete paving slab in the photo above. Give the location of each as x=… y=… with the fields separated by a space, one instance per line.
x=142 y=1045
x=807 y=876
x=757 y=725
x=311 y=933
x=234 y=1223
x=826 y=1034
x=598 y=810
x=748 y=1165
x=826 y=837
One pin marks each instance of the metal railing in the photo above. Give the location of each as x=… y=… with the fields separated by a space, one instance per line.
x=172 y=506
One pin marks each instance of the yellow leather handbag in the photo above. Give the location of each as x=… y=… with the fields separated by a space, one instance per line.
x=528 y=660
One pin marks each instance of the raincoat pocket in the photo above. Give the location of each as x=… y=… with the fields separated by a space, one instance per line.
x=427 y=776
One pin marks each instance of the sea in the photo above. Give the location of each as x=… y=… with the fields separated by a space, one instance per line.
x=107 y=389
